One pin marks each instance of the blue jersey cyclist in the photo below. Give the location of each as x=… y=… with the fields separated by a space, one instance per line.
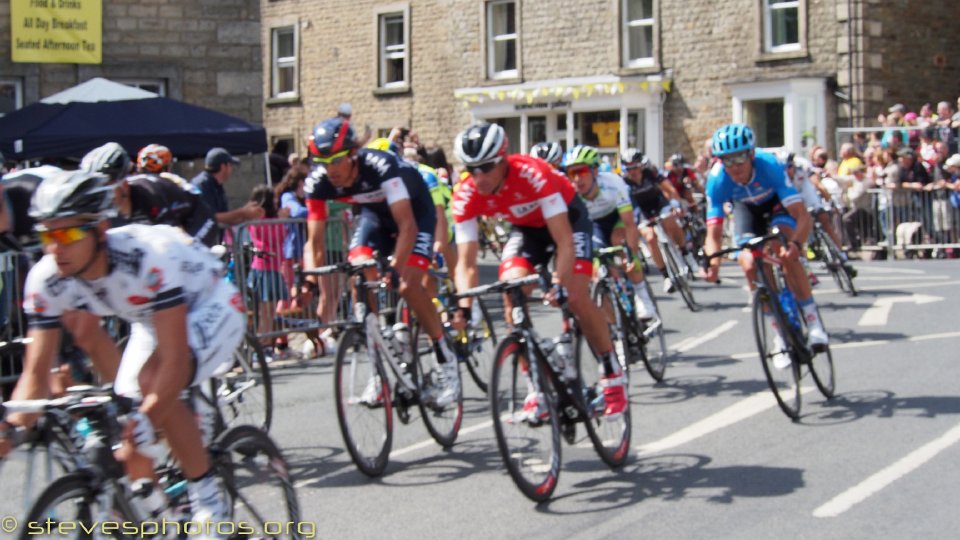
x=607 y=198
x=397 y=217
x=762 y=196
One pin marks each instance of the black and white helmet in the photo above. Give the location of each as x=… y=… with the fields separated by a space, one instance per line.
x=82 y=194
x=480 y=143
x=551 y=152
x=632 y=156
x=110 y=159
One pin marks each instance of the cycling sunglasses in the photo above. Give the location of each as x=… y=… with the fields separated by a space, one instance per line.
x=736 y=159
x=66 y=235
x=581 y=170
x=484 y=168
x=332 y=159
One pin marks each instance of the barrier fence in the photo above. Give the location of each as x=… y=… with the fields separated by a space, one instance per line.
x=13 y=271
x=905 y=220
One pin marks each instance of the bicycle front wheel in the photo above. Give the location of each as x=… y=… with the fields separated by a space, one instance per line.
x=654 y=341
x=443 y=423
x=245 y=393
x=780 y=365
x=529 y=440
x=256 y=477
x=676 y=270
x=364 y=410
x=482 y=346
x=821 y=368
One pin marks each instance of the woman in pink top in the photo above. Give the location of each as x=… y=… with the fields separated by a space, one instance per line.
x=265 y=280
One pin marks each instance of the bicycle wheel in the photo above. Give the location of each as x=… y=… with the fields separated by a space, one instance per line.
x=605 y=298
x=821 y=367
x=77 y=500
x=610 y=435
x=529 y=443
x=671 y=257
x=654 y=341
x=257 y=479
x=245 y=393
x=443 y=423
x=481 y=346
x=784 y=381
x=366 y=421
x=836 y=265
x=49 y=454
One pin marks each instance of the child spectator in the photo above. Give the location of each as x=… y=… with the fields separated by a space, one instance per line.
x=265 y=279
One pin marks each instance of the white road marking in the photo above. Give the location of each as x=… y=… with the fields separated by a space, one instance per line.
x=872 y=485
x=740 y=410
x=879 y=312
x=695 y=341
x=896 y=286
x=884 y=270
x=858 y=344
x=900 y=278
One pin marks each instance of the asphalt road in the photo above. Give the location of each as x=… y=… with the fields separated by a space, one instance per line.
x=713 y=455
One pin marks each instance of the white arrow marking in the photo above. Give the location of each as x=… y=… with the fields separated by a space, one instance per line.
x=879 y=312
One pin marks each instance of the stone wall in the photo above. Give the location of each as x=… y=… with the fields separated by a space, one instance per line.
x=207 y=52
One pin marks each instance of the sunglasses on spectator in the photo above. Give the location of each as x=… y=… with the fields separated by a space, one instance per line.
x=66 y=235
x=332 y=159
x=736 y=159
x=483 y=167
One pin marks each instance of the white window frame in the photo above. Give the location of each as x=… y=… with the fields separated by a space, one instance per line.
x=793 y=92
x=161 y=84
x=386 y=53
x=277 y=62
x=17 y=85
x=492 y=40
x=768 y=10
x=626 y=25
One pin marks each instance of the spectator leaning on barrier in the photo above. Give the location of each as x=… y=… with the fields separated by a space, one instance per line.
x=218 y=166
x=945 y=130
x=850 y=159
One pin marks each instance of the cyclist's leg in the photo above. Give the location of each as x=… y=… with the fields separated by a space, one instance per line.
x=799 y=285
x=642 y=300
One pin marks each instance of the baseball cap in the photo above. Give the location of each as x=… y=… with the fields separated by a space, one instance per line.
x=345 y=109
x=218 y=156
x=897 y=108
x=906 y=151
x=952 y=161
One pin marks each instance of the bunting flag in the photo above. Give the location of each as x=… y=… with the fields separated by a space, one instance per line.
x=575 y=91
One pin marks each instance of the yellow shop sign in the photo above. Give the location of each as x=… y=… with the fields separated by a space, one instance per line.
x=57 y=31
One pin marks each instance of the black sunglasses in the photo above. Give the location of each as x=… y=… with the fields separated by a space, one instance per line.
x=484 y=168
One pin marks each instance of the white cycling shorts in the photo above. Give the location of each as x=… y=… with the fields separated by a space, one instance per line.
x=215 y=328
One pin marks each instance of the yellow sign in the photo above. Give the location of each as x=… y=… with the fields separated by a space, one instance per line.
x=57 y=31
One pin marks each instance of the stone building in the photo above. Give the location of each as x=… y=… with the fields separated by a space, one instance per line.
x=204 y=52
x=656 y=74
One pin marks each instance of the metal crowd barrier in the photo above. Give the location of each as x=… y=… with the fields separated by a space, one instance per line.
x=13 y=269
x=263 y=254
x=904 y=220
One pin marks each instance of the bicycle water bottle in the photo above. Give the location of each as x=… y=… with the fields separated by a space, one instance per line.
x=789 y=304
x=625 y=299
x=401 y=332
x=564 y=353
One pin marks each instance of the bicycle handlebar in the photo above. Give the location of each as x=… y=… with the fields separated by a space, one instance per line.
x=500 y=286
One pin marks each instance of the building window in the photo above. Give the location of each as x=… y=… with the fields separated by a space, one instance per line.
x=766 y=118
x=600 y=129
x=283 y=62
x=393 y=50
x=781 y=25
x=157 y=86
x=502 y=40
x=11 y=95
x=638 y=38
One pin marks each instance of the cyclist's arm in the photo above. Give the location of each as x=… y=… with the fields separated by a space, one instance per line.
x=804 y=223
x=669 y=191
x=314 y=247
x=34 y=382
x=173 y=359
x=562 y=234
x=440 y=232
x=712 y=244
x=815 y=180
x=466 y=275
x=402 y=213
x=630 y=230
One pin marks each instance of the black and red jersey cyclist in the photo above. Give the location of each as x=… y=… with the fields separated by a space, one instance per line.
x=683 y=178
x=546 y=213
x=397 y=217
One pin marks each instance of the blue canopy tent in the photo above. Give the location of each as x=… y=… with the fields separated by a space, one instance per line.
x=79 y=119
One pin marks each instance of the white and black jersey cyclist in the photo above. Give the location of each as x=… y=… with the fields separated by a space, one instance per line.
x=397 y=217
x=169 y=287
x=762 y=196
x=607 y=198
x=652 y=196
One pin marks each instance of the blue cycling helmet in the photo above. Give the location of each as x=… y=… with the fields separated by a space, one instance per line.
x=732 y=139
